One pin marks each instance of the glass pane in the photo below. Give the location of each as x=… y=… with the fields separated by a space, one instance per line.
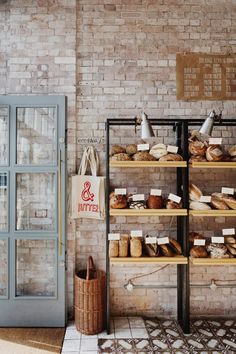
x=36 y=136
x=3 y=267
x=35 y=268
x=3 y=202
x=35 y=201
x=3 y=135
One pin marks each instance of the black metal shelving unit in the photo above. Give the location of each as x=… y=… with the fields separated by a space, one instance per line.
x=181 y=131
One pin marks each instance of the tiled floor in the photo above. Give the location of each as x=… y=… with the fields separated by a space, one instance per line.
x=131 y=335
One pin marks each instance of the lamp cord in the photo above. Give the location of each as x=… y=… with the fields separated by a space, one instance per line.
x=144 y=275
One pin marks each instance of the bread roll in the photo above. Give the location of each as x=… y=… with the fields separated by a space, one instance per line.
x=197 y=148
x=166 y=250
x=170 y=204
x=143 y=156
x=137 y=205
x=197 y=159
x=155 y=202
x=217 y=250
x=198 y=252
x=118 y=201
x=131 y=149
x=113 y=249
x=171 y=157
x=117 y=149
x=194 y=192
x=158 y=151
x=232 y=151
x=121 y=157
x=175 y=246
x=214 y=153
x=135 y=247
x=199 y=206
x=230 y=239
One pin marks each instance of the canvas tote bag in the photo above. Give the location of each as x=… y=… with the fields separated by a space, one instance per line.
x=88 y=191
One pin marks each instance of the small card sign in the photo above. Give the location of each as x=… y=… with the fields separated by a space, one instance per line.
x=149 y=240
x=143 y=147
x=163 y=240
x=157 y=192
x=113 y=237
x=227 y=190
x=227 y=232
x=215 y=141
x=120 y=191
x=217 y=239
x=138 y=197
x=205 y=199
x=174 y=197
x=136 y=233
x=173 y=149
x=199 y=242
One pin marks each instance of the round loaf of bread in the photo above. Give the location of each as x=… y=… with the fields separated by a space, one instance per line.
x=121 y=157
x=195 y=236
x=117 y=149
x=197 y=158
x=155 y=202
x=143 y=156
x=166 y=250
x=131 y=149
x=198 y=252
x=158 y=151
x=197 y=148
x=171 y=157
x=170 y=204
x=118 y=201
x=214 y=153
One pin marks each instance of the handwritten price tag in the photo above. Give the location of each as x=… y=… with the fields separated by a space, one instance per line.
x=113 y=237
x=143 y=147
x=215 y=141
x=173 y=149
x=136 y=233
x=227 y=232
x=163 y=240
x=149 y=240
x=157 y=192
x=120 y=191
x=217 y=239
x=138 y=197
x=199 y=242
x=174 y=197
x=227 y=190
x=205 y=199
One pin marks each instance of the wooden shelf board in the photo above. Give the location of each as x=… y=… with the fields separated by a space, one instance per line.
x=148 y=212
x=213 y=164
x=156 y=260
x=213 y=261
x=148 y=164
x=212 y=212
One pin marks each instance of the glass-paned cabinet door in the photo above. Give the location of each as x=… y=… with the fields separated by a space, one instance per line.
x=4 y=128
x=35 y=201
x=3 y=201
x=3 y=267
x=36 y=135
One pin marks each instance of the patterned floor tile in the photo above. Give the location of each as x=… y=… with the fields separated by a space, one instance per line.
x=142 y=345
x=108 y=345
x=160 y=344
x=124 y=345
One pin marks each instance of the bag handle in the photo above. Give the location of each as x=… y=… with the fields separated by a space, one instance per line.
x=90 y=156
x=90 y=266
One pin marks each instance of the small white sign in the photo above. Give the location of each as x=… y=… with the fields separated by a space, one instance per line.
x=138 y=197
x=136 y=233
x=199 y=242
x=217 y=239
x=157 y=192
x=149 y=240
x=163 y=240
x=227 y=232
x=215 y=141
x=143 y=147
x=173 y=149
x=227 y=190
x=205 y=199
x=174 y=197
x=120 y=191
x=113 y=237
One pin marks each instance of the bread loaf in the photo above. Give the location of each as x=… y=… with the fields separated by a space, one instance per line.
x=197 y=159
x=117 y=149
x=117 y=201
x=170 y=204
x=131 y=149
x=214 y=153
x=194 y=192
x=166 y=250
x=197 y=148
x=199 y=206
x=121 y=157
x=158 y=150
x=113 y=249
x=143 y=156
x=198 y=252
x=135 y=247
x=171 y=157
x=175 y=246
x=155 y=202
x=232 y=151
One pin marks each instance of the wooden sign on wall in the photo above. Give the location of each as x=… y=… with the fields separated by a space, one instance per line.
x=202 y=76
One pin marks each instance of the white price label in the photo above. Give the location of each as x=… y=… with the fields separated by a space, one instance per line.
x=174 y=197
x=143 y=147
x=113 y=237
x=226 y=190
x=215 y=141
x=227 y=232
x=157 y=192
x=149 y=240
x=136 y=233
x=173 y=149
x=163 y=240
x=120 y=191
x=199 y=242
x=217 y=239
x=138 y=197
x=205 y=199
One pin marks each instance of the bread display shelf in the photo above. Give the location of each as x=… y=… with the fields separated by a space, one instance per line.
x=156 y=260
x=148 y=212
x=212 y=261
x=213 y=164
x=148 y=164
x=212 y=212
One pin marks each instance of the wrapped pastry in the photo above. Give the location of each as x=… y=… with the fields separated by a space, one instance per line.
x=113 y=249
x=166 y=250
x=199 y=206
x=170 y=204
x=197 y=148
x=143 y=156
x=171 y=157
x=194 y=192
x=116 y=149
x=197 y=159
x=137 y=205
x=175 y=246
x=136 y=247
x=155 y=202
x=198 y=252
x=217 y=250
x=230 y=239
x=124 y=245
x=118 y=201
x=131 y=149
x=121 y=157
x=218 y=203
x=158 y=151
x=214 y=153
x=232 y=151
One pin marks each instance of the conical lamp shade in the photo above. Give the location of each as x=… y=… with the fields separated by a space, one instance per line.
x=207 y=126
x=146 y=128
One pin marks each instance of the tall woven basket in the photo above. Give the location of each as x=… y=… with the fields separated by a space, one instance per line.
x=90 y=285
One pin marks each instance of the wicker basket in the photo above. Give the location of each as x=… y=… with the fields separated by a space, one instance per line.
x=90 y=285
